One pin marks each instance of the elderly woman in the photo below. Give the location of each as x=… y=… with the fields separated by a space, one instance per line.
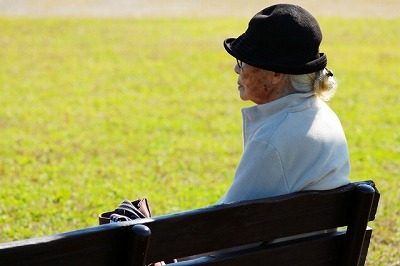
x=293 y=141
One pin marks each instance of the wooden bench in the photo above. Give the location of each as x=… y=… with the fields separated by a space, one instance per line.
x=216 y=228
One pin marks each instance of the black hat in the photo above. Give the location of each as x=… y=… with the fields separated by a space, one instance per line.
x=281 y=38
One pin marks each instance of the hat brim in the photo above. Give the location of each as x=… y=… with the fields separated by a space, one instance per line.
x=242 y=49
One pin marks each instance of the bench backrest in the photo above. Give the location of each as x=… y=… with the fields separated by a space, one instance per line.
x=216 y=228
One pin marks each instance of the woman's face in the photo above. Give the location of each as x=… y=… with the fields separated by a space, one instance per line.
x=255 y=84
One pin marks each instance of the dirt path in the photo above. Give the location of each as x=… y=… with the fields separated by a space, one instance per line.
x=190 y=8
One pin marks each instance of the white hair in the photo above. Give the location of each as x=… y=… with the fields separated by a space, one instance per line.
x=322 y=83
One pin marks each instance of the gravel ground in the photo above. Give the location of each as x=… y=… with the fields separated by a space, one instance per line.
x=190 y=8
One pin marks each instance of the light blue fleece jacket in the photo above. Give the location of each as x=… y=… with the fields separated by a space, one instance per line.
x=294 y=143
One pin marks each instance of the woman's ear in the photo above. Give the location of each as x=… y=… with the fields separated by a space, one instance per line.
x=277 y=77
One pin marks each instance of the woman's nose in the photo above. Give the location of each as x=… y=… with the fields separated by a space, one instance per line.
x=236 y=69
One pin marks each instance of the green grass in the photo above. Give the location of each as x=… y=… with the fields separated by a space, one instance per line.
x=96 y=111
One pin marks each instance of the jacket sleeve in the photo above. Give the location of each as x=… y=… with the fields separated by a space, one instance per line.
x=259 y=174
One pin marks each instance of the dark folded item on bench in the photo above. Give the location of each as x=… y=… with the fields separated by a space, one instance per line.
x=127 y=211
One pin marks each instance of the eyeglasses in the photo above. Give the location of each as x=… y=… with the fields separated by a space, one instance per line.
x=239 y=63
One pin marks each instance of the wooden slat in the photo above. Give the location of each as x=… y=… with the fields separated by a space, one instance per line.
x=100 y=245
x=172 y=235
x=323 y=250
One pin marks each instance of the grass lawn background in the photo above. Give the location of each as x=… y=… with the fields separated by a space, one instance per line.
x=94 y=111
